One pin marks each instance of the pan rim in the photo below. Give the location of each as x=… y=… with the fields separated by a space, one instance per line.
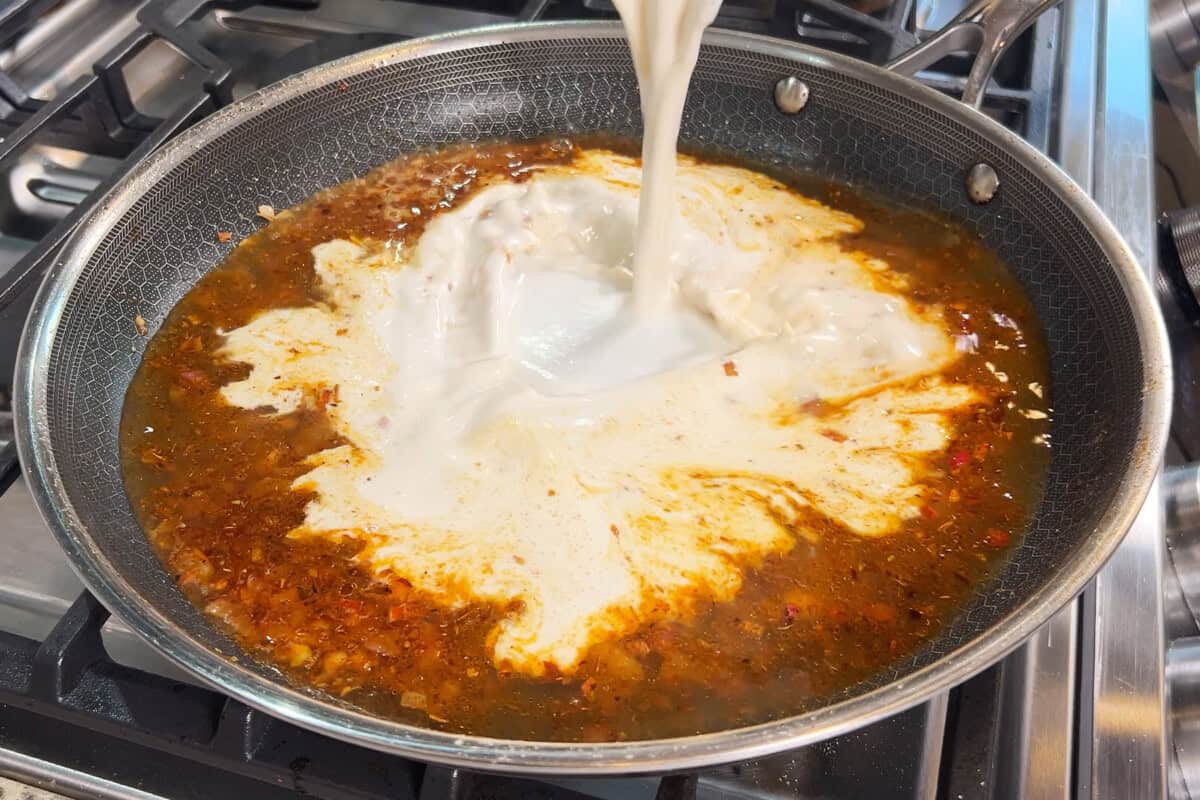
x=105 y=581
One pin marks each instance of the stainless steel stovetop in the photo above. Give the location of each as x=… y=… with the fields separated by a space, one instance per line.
x=1076 y=712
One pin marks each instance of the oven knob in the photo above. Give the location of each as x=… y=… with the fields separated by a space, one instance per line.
x=1179 y=259
x=1181 y=496
x=1182 y=665
x=1175 y=28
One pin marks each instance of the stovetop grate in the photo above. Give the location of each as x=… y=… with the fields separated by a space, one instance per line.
x=66 y=702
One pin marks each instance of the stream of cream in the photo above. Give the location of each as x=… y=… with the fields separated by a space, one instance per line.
x=664 y=39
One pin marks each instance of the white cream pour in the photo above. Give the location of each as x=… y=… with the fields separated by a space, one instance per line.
x=664 y=39
x=501 y=447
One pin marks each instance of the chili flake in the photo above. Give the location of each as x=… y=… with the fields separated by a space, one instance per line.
x=996 y=538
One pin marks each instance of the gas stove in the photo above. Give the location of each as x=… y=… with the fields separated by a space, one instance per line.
x=90 y=87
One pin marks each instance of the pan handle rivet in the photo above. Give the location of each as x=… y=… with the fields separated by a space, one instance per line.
x=791 y=94
x=982 y=183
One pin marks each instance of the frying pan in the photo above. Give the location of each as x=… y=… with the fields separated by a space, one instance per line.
x=153 y=237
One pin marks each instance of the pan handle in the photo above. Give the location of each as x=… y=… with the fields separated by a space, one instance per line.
x=986 y=26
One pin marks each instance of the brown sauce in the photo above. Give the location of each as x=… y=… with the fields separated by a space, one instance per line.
x=210 y=483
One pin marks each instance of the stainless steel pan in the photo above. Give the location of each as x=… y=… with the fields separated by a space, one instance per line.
x=152 y=238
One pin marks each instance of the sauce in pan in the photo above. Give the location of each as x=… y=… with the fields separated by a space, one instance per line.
x=398 y=446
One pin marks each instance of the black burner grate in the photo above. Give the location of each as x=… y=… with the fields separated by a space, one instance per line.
x=64 y=701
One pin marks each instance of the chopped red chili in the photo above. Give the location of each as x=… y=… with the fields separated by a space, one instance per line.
x=997 y=538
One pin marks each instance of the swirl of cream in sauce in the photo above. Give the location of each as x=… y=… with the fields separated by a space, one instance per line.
x=581 y=391
x=499 y=450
